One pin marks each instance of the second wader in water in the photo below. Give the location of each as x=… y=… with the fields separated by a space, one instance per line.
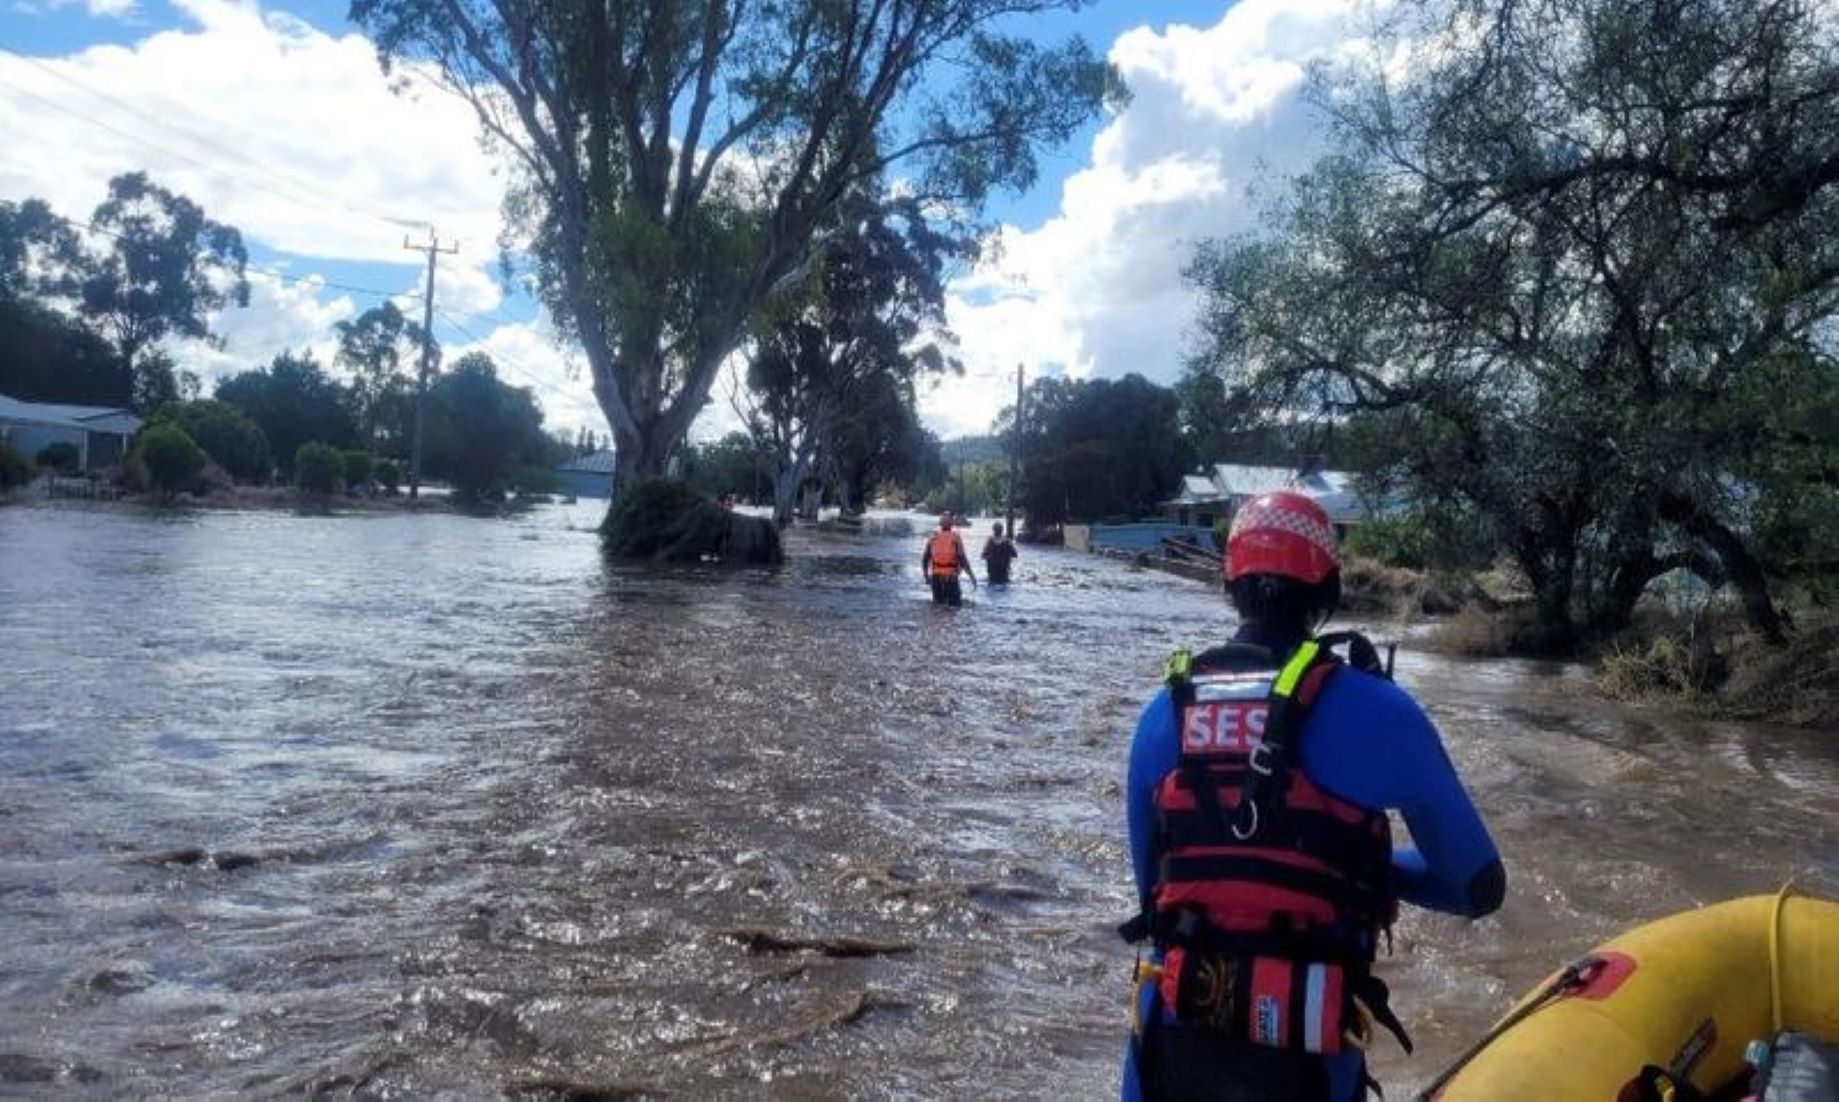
x=941 y=562
x=998 y=552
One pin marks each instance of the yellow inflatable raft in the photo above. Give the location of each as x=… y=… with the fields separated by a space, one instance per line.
x=1684 y=995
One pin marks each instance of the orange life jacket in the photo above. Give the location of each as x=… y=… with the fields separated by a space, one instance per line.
x=944 y=546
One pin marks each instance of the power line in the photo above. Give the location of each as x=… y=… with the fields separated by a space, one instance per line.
x=274 y=273
x=301 y=190
x=523 y=372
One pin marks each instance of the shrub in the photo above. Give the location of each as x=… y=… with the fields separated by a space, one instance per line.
x=318 y=468
x=533 y=479
x=61 y=456
x=14 y=470
x=388 y=475
x=1399 y=539
x=237 y=444
x=667 y=519
x=358 y=467
x=172 y=458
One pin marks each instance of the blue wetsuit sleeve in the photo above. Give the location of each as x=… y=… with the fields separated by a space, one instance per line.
x=1153 y=754
x=1370 y=743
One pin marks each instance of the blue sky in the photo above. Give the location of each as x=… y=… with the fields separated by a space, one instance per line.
x=274 y=117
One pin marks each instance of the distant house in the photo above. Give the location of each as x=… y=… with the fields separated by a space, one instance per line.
x=99 y=433
x=1215 y=495
x=588 y=475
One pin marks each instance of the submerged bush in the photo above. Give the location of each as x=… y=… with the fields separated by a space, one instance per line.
x=668 y=519
x=14 y=470
x=171 y=457
x=61 y=456
x=357 y=467
x=318 y=468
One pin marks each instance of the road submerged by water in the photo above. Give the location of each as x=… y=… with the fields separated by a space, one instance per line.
x=416 y=806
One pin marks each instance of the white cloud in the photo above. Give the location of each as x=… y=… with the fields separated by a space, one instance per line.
x=527 y=355
x=1215 y=113
x=282 y=315
x=101 y=9
x=273 y=126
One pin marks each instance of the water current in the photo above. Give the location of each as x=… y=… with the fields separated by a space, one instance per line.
x=426 y=806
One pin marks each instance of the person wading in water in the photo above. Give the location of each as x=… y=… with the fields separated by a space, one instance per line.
x=941 y=561
x=998 y=553
x=1259 y=782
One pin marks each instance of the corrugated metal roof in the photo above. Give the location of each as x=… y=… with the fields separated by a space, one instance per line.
x=111 y=418
x=598 y=463
x=1238 y=479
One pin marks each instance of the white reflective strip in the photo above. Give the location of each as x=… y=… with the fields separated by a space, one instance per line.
x=1312 y=1009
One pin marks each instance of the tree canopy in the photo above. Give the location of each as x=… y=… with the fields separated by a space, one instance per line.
x=1097 y=449
x=1578 y=274
x=678 y=159
x=294 y=402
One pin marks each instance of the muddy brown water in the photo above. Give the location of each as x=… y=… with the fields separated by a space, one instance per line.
x=417 y=806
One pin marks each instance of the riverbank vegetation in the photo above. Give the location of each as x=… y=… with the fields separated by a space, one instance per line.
x=1570 y=285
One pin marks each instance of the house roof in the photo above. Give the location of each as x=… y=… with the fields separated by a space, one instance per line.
x=597 y=463
x=1334 y=490
x=97 y=418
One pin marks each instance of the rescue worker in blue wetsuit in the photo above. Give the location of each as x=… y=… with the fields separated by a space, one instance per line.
x=1259 y=782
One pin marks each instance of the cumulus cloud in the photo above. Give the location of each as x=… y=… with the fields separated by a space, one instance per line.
x=527 y=355
x=282 y=315
x=1216 y=112
x=278 y=128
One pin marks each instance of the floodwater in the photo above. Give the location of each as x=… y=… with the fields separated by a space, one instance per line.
x=417 y=806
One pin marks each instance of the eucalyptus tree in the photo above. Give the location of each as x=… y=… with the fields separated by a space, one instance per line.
x=1579 y=267
x=858 y=333
x=676 y=159
x=164 y=267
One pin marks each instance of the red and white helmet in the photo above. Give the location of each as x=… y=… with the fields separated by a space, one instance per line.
x=1283 y=533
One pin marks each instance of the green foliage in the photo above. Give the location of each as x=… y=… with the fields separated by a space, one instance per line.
x=357 y=468
x=479 y=430
x=167 y=270
x=388 y=475
x=293 y=401
x=834 y=367
x=52 y=358
x=172 y=459
x=375 y=347
x=1097 y=449
x=235 y=442
x=732 y=465
x=14 y=469
x=669 y=520
x=1549 y=286
x=1414 y=540
x=532 y=478
x=318 y=468
x=676 y=229
x=61 y=456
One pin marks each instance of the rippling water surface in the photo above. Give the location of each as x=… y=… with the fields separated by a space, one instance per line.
x=421 y=805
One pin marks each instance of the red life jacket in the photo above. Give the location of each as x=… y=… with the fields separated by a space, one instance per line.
x=1272 y=892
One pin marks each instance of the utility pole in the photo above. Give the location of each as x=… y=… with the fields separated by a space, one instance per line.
x=1015 y=455
x=432 y=248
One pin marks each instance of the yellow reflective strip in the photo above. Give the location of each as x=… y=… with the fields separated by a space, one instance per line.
x=1294 y=669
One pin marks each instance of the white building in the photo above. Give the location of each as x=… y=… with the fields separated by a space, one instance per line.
x=1217 y=493
x=99 y=433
